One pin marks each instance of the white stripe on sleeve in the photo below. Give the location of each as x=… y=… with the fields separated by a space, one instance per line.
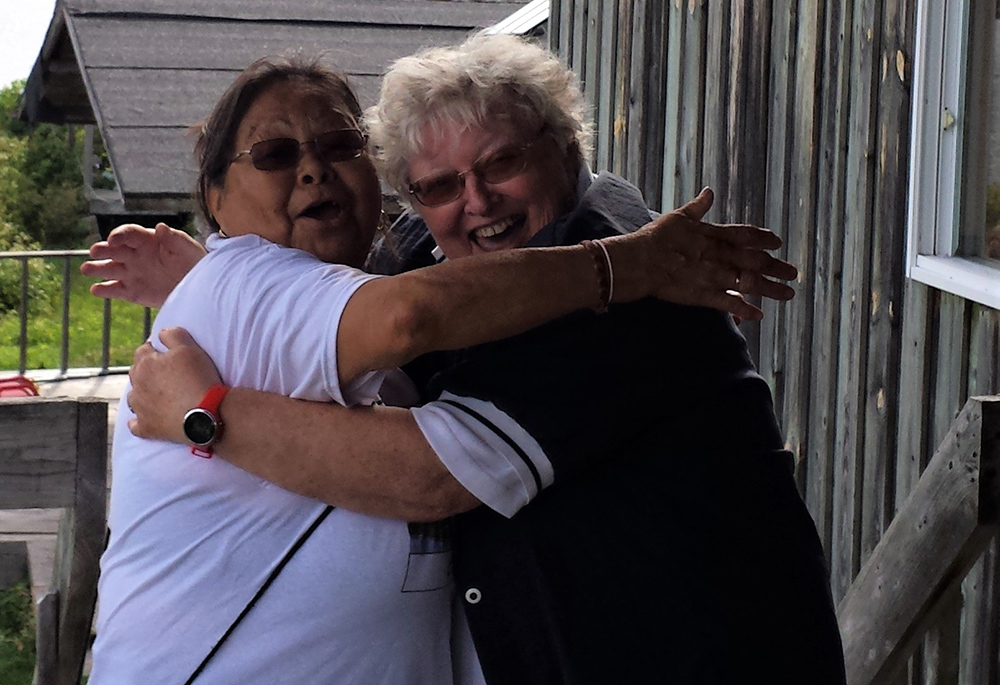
x=486 y=451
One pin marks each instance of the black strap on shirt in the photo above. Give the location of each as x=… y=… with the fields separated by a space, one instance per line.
x=260 y=592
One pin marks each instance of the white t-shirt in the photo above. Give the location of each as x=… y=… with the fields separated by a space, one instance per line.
x=193 y=539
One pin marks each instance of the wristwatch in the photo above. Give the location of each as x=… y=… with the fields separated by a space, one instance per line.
x=203 y=424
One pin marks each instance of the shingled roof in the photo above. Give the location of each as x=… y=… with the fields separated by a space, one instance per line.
x=145 y=70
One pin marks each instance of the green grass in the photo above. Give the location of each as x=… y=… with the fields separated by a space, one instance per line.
x=85 y=329
x=17 y=636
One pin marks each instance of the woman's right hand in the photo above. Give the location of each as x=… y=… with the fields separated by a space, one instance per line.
x=141 y=265
x=685 y=260
x=165 y=385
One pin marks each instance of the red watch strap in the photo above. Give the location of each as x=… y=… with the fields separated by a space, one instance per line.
x=203 y=452
x=213 y=398
x=210 y=403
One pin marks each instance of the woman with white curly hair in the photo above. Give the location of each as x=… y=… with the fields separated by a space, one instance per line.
x=624 y=510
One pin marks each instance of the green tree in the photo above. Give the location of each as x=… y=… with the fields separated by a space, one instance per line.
x=43 y=280
x=41 y=186
x=9 y=98
x=19 y=191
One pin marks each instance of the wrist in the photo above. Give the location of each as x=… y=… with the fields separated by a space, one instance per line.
x=604 y=273
x=630 y=263
x=203 y=424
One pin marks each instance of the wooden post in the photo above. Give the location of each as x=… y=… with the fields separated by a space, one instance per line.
x=46 y=647
x=53 y=454
x=940 y=530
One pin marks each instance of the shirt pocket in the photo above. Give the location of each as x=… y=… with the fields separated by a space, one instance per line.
x=428 y=566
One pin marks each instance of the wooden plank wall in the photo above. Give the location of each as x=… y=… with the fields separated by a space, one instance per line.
x=797 y=113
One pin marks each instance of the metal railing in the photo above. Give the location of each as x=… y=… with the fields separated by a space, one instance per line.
x=66 y=256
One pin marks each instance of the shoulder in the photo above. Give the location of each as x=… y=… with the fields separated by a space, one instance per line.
x=406 y=246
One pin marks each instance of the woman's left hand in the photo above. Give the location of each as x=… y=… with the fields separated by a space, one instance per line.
x=165 y=385
x=689 y=261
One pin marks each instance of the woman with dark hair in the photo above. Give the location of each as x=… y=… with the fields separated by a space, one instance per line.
x=213 y=573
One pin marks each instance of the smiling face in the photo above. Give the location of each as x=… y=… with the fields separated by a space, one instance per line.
x=328 y=209
x=489 y=217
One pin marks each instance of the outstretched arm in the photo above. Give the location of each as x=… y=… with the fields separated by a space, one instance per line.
x=473 y=300
x=376 y=460
x=141 y=265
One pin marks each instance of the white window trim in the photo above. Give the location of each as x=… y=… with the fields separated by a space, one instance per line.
x=937 y=184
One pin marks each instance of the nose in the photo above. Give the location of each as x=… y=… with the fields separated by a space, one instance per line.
x=477 y=194
x=311 y=168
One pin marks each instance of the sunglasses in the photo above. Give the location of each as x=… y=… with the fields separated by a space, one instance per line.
x=443 y=187
x=278 y=154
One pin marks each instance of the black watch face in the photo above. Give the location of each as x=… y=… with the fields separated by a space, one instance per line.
x=199 y=427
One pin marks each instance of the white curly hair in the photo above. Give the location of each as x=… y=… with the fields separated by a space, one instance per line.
x=487 y=78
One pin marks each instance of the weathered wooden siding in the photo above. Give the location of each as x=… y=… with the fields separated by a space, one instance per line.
x=797 y=113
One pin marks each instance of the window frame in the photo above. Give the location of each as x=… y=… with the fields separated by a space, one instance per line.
x=946 y=201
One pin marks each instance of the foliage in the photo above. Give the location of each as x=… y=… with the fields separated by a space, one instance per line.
x=86 y=326
x=17 y=635
x=992 y=247
x=11 y=161
x=9 y=97
x=41 y=185
x=993 y=205
x=43 y=282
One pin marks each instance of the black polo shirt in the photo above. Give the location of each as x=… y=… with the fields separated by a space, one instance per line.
x=664 y=539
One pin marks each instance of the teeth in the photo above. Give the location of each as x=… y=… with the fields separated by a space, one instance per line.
x=496 y=228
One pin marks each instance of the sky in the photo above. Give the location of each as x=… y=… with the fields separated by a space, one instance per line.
x=23 y=24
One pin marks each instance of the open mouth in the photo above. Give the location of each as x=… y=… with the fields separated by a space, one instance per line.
x=497 y=232
x=325 y=210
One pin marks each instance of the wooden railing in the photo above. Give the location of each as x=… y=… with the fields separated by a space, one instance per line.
x=937 y=535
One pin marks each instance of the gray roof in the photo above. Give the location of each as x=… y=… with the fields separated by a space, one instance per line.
x=145 y=70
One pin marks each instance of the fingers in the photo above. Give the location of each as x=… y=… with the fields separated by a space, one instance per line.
x=104 y=250
x=734 y=304
x=755 y=261
x=699 y=206
x=109 y=290
x=105 y=269
x=143 y=352
x=175 y=337
x=164 y=234
x=743 y=235
x=130 y=235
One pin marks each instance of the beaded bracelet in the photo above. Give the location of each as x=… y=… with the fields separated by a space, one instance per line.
x=605 y=274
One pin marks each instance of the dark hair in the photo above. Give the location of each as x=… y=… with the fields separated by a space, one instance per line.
x=216 y=137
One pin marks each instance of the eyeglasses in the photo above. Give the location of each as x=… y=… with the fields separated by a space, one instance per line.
x=441 y=188
x=277 y=154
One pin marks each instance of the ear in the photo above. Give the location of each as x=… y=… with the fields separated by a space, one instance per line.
x=572 y=159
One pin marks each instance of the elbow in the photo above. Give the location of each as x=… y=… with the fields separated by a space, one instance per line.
x=441 y=498
x=410 y=326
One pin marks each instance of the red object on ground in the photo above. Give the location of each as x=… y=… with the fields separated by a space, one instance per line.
x=18 y=386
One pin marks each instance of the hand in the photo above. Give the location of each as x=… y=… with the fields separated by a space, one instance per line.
x=691 y=262
x=141 y=265
x=165 y=385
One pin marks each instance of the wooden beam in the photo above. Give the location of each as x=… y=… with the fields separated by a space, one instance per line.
x=81 y=540
x=37 y=453
x=939 y=532
x=46 y=649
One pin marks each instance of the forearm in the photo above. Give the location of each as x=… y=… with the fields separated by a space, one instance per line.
x=470 y=301
x=371 y=460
